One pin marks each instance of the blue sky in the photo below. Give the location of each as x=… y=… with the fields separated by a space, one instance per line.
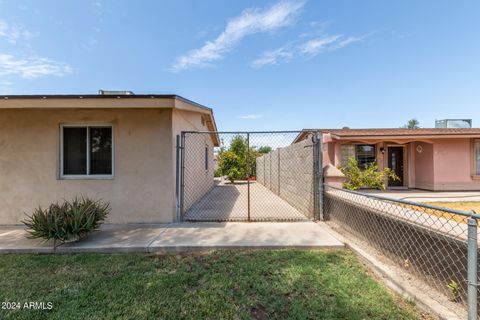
x=262 y=65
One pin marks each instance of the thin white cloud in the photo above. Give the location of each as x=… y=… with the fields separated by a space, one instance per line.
x=13 y=32
x=273 y=57
x=349 y=40
x=90 y=43
x=251 y=116
x=250 y=21
x=316 y=28
x=308 y=49
x=32 y=67
x=317 y=45
x=97 y=7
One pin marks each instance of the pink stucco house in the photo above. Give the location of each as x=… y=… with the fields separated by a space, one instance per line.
x=437 y=159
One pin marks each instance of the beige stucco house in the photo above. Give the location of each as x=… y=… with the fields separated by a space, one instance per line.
x=117 y=147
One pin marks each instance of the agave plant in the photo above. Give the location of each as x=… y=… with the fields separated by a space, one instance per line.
x=68 y=221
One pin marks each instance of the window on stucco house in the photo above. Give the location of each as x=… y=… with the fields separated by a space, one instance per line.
x=363 y=153
x=86 y=152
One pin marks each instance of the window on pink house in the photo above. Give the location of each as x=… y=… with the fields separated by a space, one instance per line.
x=365 y=154
x=476 y=161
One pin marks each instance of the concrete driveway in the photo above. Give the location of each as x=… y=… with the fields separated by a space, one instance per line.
x=229 y=202
x=181 y=237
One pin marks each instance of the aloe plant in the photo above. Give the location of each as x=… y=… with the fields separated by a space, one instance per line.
x=68 y=221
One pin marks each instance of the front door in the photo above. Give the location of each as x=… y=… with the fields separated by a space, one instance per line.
x=395 y=162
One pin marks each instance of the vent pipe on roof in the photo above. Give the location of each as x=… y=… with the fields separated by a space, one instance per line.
x=115 y=93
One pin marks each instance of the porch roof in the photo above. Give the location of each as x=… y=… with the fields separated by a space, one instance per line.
x=394 y=133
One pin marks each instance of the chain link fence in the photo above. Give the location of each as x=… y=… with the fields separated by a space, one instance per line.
x=246 y=176
x=430 y=243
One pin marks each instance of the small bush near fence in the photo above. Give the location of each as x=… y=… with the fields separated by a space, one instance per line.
x=68 y=221
x=368 y=176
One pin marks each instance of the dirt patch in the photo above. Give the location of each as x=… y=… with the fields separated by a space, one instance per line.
x=259 y=313
x=458 y=205
x=438 y=213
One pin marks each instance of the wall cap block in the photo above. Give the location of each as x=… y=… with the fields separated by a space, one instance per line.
x=330 y=171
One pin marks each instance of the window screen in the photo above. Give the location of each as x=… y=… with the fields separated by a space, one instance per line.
x=100 y=150
x=365 y=154
x=347 y=152
x=74 y=150
x=87 y=150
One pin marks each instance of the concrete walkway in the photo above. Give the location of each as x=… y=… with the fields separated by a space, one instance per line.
x=229 y=202
x=180 y=237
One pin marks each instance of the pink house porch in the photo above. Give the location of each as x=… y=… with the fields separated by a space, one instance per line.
x=437 y=159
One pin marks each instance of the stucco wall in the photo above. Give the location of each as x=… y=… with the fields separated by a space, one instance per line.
x=424 y=161
x=288 y=172
x=452 y=165
x=141 y=190
x=198 y=179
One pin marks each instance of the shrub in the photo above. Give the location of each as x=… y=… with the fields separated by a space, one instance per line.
x=68 y=221
x=217 y=173
x=369 y=177
x=232 y=166
x=238 y=162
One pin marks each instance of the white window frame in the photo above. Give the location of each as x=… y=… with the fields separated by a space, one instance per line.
x=87 y=176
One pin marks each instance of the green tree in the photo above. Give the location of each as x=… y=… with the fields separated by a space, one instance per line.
x=236 y=162
x=232 y=166
x=412 y=124
x=264 y=149
x=232 y=162
x=239 y=146
x=369 y=176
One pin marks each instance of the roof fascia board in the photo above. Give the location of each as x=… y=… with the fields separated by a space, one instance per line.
x=86 y=103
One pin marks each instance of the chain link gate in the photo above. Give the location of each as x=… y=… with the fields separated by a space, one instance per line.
x=248 y=176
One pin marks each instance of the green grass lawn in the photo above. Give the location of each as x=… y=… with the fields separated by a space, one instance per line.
x=240 y=284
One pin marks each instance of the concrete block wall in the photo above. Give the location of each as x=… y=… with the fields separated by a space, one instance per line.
x=288 y=172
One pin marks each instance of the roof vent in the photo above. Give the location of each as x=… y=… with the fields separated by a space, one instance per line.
x=115 y=93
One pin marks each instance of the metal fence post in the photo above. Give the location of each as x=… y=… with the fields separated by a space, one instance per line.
x=177 y=179
x=472 y=268
x=248 y=176
x=182 y=176
x=318 y=176
x=278 y=170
